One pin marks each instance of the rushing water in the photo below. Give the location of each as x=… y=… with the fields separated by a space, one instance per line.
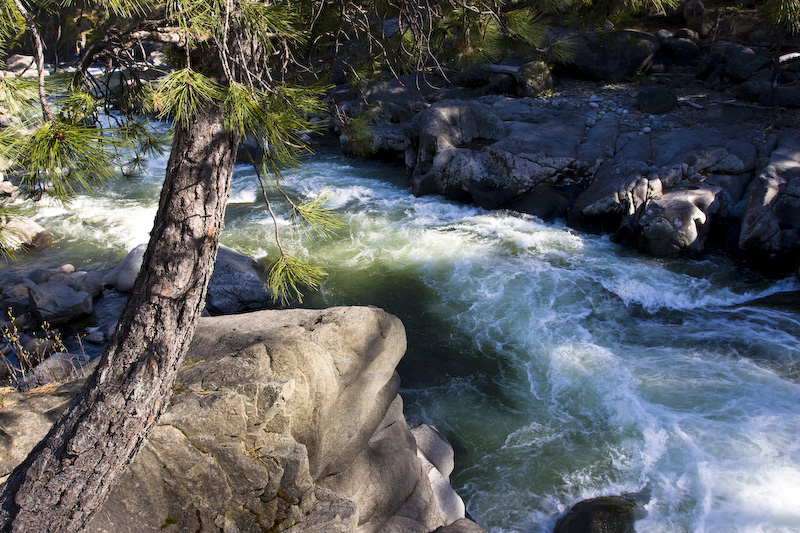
x=560 y=366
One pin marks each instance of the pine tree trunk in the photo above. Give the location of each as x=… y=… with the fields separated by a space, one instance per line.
x=68 y=475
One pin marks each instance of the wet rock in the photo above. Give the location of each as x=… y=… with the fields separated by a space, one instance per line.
x=607 y=514
x=677 y=222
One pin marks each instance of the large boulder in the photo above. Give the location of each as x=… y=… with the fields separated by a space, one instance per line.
x=606 y=514
x=278 y=420
x=21 y=233
x=678 y=221
x=58 y=303
x=492 y=151
x=237 y=284
x=741 y=62
x=440 y=139
x=771 y=226
x=614 y=55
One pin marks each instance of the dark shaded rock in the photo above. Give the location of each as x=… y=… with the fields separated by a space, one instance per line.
x=86 y=281
x=607 y=514
x=237 y=284
x=58 y=303
x=761 y=92
x=656 y=100
x=786 y=301
x=546 y=201
x=677 y=222
x=615 y=55
x=681 y=51
x=741 y=62
x=435 y=137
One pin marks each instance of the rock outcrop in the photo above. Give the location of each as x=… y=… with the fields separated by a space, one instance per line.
x=670 y=163
x=279 y=420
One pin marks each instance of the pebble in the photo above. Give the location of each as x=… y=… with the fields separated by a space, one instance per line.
x=594 y=105
x=647 y=129
x=590 y=122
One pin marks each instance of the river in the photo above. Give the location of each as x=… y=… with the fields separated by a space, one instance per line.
x=559 y=365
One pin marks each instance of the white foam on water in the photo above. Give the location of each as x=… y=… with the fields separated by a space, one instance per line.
x=653 y=288
x=111 y=223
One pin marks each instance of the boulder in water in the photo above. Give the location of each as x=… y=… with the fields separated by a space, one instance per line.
x=606 y=514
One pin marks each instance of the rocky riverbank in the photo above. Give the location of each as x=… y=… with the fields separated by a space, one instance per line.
x=684 y=159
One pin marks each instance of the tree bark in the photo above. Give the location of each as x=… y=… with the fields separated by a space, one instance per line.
x=68 y=475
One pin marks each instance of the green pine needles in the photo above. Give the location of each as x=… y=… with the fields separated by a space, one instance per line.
x=59 y=156
x=290 y=276
x=181 y=95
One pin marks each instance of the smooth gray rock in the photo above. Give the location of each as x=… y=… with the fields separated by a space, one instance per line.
x=123 y=275
x=22 y=233
x=237 y=284
x=58 y=303
x=57 y=368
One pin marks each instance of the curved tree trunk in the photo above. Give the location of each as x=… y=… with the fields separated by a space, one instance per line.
x=68 y=475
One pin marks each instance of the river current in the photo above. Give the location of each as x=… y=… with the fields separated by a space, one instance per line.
x=560 y=366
